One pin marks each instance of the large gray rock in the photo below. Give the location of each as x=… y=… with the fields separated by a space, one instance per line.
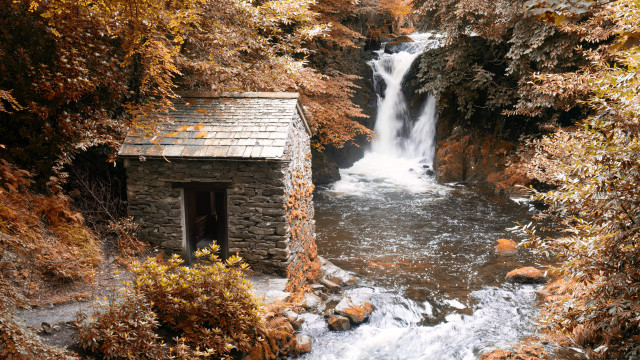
x=336 y=274
x=313 y=302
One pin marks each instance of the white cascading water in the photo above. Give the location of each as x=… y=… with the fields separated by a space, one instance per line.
x=393 y=113
x=397 y=157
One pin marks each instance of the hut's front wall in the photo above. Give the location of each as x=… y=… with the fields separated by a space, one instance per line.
x=257 y=229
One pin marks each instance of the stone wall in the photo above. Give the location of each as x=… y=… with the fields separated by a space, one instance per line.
x=299 y=179
x=255 y=199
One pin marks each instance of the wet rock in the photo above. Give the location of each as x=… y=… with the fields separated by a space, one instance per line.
x=506 y=246
x=356 y=312
x=297 y=324
x=330 y=285
x=527 y=275
x=332 y=302
x=323 y=295
x=338 y=323
x=397 y=45
x=313 y=302
x=303 y=344
x=47 y=328
x=318 y=287
x=291 y=315
x=324 y=171
x=335 y=274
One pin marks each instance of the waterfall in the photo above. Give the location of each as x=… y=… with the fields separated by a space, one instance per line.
x=397 y=134
x=402 y=152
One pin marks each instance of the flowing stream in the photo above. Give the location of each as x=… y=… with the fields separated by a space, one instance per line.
x=424 y=252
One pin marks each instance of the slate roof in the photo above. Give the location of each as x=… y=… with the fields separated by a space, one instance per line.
x=231 y=125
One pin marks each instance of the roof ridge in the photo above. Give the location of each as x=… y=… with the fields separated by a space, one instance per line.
x=213 y=94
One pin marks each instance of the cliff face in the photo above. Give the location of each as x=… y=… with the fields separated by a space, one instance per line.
x=479 y=150
x=338 y=59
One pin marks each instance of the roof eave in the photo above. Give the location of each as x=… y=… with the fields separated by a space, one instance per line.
x=192 y=158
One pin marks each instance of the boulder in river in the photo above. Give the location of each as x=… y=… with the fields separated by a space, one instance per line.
x=356 y=312
x=313 y=302
x=330 y=285
x=338 y=323
x=335 y=274
x=527 y=275
x=506 y=246
x=303 y=344
x=397 y=45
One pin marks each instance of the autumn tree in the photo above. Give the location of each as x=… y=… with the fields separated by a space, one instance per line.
x=491 y=50
x=596 y=170
x=77 y=74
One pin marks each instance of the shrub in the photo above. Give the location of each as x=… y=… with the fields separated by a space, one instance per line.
x=596 y=171
x=208 y=309
x=123 y=330
x=210 y=305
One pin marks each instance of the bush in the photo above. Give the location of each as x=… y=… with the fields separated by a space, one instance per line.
x=208 y=309
x=596 y=171
x=123 y=330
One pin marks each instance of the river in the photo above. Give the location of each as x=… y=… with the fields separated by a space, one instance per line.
x=424 y=252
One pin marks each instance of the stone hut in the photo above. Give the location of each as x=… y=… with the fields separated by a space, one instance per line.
x=233 y=168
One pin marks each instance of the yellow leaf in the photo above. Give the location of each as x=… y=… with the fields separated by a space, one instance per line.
x=173 y=134
x=183 y=128
x=198 y=127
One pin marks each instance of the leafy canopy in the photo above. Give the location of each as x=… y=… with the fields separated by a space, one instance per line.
x=596 y=170
x=75 y=74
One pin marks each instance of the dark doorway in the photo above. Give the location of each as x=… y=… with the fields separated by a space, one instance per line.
x=205 y=218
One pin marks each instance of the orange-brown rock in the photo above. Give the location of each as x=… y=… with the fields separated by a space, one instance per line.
x=465 y=157
x=524 y=353
x=356 y=313
x=303 y=344
x=338 y=323
x=527 y=275
x=506 y=246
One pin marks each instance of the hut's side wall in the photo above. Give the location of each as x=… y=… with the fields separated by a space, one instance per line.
x=257 y=228
x=300 y=210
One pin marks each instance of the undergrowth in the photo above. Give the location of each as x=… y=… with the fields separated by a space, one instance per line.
x=55 y=243
x=41 y=239
x=173 y=311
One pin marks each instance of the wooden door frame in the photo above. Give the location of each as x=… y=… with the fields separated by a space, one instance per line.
x=190 y=188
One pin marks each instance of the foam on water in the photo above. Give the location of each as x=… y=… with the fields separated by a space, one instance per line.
x=395 y=330
x=379 y=172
